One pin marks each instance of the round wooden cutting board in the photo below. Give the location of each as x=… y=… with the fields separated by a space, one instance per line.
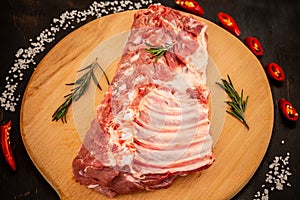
x=53 y=145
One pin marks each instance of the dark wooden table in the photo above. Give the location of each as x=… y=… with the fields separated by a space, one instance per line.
x=274 y=22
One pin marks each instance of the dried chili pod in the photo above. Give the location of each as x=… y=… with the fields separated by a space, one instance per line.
x=191 y=6
x=254 y=45
x=5 y=144
x=229 y=23
x=288 y=110
x=275 y=72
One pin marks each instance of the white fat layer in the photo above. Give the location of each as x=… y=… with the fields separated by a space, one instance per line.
x=200 y=62
x=128 y=71
x=138 y=40
x=134 y=58
x=127 y=160
x=190 y=119
x=122 y=87
x=129 y=115
x=169 y=133
x=189 y=78
x=139 y=79
x=172 y=158
x=199 y=58
x=185 y=167
x=131 y=94
x=93 y=186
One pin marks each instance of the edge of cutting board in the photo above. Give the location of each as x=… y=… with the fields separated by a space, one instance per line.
x=53 y=145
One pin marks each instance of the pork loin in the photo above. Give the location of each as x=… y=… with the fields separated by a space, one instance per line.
x=153 y=123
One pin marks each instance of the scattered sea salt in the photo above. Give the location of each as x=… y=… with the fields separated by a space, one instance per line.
x=276 y=178
x=25 y=57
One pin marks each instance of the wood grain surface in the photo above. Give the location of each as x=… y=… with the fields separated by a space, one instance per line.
x=53 y=145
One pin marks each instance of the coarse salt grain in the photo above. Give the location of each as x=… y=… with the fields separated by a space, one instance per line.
x=276 y=177
x=25 y=57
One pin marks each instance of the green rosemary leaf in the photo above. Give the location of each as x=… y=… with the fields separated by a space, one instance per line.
x=82 y=85
x=81 y=80
x=238 y=117
x=67 y=95
x=237 y=104
x=221 y=85
x=70 y=84
x=159 y=51
x=245 y=103
x=149 y=45
x=96 y=81
x=230 y=82
x=62 y=110
x=233 y=114
x=229 y=88
x=241 y=99
x=233 y=105
x=105 y=75
x=88 y=67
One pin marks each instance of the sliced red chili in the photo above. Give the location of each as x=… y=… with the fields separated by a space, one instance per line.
x=5 y=144
x=288 y=110
x=229 y=23
x=275 y=71
x=254 y=45
x=191 y=6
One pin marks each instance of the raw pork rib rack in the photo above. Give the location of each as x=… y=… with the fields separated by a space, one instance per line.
x=152 y=124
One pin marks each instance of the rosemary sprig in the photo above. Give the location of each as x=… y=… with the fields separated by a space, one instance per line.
x=159 y=51
x=237 y=104
x=81 y=86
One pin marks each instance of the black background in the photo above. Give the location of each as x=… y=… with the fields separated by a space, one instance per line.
x=274 y=22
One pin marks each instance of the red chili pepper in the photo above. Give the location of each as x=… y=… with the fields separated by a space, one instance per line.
x=275 y=71
x=288 y=110
x=229 y=24
x=191 y=6
x=5 y=144
x=254 y=45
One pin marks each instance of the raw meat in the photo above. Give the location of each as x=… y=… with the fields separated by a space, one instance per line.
x=153 y=123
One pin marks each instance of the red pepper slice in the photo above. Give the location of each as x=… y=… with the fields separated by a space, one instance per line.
x=254 y=45
x=275 y=71
x=288 y=110
x=229 y=24
x=5 y=144
x=191 y=6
